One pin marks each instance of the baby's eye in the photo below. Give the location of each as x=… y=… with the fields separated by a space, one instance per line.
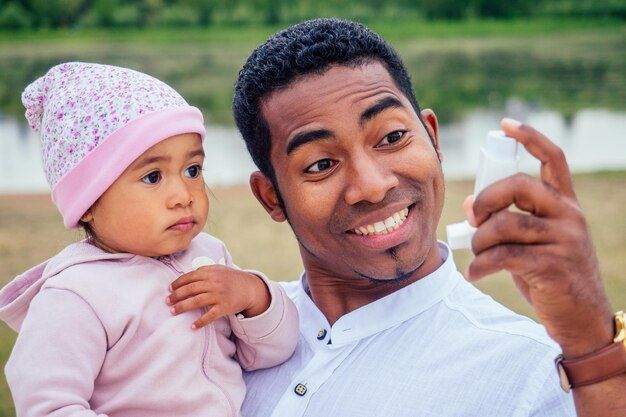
x=193 y=171
x=392 y=138
x=319 y=166
x=152 y=178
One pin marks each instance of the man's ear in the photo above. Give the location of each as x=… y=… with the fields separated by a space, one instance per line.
x=432 y=125
x=264 y=191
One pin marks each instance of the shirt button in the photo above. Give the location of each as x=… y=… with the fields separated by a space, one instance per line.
x=321 y=334
x=300 y=389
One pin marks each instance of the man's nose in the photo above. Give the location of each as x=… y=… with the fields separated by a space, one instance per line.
x=369 y=179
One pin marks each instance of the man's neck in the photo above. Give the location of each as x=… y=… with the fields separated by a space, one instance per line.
x=336 y=295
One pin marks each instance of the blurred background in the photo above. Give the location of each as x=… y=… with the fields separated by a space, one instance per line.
x=557 y=64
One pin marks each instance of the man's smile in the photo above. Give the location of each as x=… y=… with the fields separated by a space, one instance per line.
x=389 y=232
x=385 y=226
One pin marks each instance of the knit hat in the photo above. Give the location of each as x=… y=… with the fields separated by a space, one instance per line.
x=94 y=121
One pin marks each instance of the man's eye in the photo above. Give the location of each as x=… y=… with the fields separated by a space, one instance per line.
x=152 y=178
x=392 y=137
x=193 y=171
x=319 y=166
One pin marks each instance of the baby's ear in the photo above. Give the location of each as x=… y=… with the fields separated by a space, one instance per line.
x=87 y=217
x=264 y=191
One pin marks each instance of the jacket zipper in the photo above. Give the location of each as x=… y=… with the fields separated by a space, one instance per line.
x=169 y=262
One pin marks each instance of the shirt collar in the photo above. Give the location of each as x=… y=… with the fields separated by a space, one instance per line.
x=381 y=314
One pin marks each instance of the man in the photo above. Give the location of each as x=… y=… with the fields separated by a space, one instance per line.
x=388 y=325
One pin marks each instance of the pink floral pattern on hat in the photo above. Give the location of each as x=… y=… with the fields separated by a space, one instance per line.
x=76 y=106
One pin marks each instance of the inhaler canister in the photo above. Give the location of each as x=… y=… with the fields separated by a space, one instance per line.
x=498 y=160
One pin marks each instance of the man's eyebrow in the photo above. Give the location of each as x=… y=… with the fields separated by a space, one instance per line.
x=306 y=137
x=379 y=107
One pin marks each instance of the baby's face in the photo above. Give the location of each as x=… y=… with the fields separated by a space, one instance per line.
x=158 y=204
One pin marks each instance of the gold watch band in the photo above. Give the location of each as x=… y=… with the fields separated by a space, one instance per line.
x=596 y=366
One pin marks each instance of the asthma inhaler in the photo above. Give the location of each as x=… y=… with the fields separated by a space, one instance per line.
x=498 y=160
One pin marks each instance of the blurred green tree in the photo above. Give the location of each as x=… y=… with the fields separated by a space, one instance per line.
x=444 y=9
x=203 y=8
x=150 y=11
x=178 y=15
x=503 y=9
x=13 y=16
x=55 y=13
x=272 y=12
x=24 y=14
x=100 y=13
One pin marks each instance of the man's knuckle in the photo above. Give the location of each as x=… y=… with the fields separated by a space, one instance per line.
x=499 y=253
x=523 y=180
x=556 y=153
x=506 y=253
x=531 y=223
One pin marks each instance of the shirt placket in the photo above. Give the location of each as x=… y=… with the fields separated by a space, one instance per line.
x=319 y=369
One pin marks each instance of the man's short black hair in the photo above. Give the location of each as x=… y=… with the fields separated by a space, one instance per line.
x=310 y=47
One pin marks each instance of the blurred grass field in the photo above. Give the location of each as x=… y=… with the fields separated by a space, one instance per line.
x=31 y=231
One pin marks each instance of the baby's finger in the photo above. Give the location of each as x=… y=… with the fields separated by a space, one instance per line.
x=207 y=318
x=185 y=279
x=203 y=273
x=188 y=290
x=192 y=303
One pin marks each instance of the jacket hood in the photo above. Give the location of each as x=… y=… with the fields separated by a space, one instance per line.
x=16 y=296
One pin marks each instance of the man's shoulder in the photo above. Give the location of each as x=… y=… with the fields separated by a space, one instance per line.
x=483 y=315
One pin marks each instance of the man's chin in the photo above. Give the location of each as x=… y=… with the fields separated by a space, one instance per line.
x=398 y=276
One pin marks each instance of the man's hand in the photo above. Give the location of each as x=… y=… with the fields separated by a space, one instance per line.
x=222 y=290
x=547 y=248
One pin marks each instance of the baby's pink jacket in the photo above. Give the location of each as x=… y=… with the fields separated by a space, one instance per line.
x=97 y=339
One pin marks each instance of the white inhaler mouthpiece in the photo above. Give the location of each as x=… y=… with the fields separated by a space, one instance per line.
x=498 y=160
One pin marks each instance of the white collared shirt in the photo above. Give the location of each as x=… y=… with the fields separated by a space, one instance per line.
x=438 y=347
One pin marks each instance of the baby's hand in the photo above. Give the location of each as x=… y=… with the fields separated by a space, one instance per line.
x=222 y=290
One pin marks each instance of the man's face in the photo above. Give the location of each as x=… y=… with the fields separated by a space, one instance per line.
x=358 y=173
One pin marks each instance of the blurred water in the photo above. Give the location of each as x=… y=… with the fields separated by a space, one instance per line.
x=592 y=140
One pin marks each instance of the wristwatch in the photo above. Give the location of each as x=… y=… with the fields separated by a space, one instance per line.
x=596 y=366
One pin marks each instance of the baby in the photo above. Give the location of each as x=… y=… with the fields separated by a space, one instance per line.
x=123 y=154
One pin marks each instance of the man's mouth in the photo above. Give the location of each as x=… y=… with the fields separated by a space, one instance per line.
x=385 y=226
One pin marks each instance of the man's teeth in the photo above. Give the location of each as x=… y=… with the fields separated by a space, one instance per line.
x=388 y=225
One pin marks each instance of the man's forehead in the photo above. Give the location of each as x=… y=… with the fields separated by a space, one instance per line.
x=324 y=71
x=363 y=73
x=353 y=83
